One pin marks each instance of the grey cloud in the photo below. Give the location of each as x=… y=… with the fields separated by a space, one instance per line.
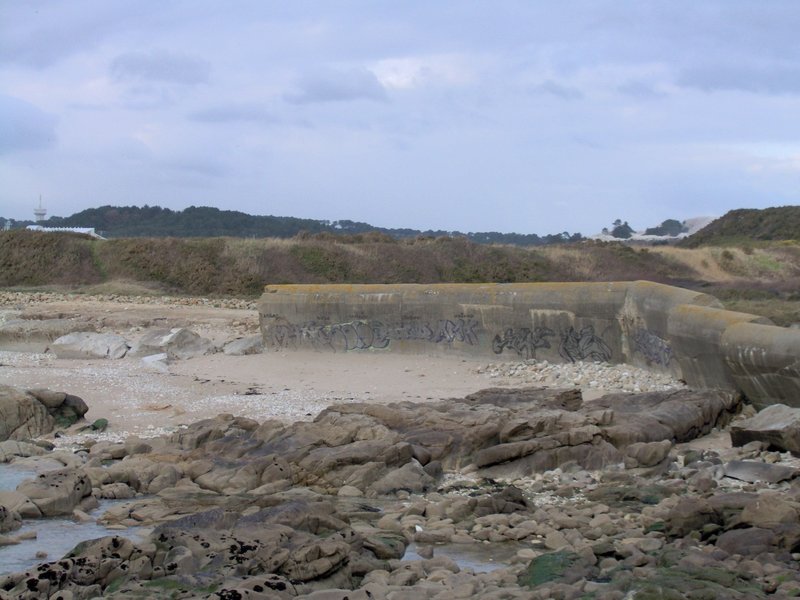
x=773 y=79
x=639 y=89
x=337 y=86
x=160 y=66
x=232 y=113
x=24 y=127
x=552 y=88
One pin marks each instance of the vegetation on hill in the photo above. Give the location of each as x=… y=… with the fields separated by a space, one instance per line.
x=670 y=227
x=200 y=221
x=234 y=266
x=749 y=224
x=763 y=279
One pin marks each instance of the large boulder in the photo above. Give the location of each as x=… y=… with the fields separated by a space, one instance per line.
x=85 y=344
x=22 y=416
x=57 y=492
x=777 y=425
x=176 y=343
x=30 y=414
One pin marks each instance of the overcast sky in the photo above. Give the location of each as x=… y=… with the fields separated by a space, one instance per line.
x=527 y=116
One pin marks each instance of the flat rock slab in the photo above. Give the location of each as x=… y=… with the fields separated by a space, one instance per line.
x=753 y=471
x=777 y=425
x=86 y=344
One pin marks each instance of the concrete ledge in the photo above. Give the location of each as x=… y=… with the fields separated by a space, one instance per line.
x=659 y=327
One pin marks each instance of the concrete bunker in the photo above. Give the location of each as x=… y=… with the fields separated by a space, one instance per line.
x=669 y=329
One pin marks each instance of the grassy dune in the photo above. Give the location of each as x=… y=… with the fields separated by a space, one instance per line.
x=763 y=279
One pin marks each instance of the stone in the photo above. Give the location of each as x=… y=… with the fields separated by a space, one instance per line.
x=649 y=454
x=253 y=344
x=777 y=425
x=22 y=416
x=177 y=343
x=56 y=492
x=690 y=514
x=754 y=471
x=90 y=345
x=10 y=449
x=750 y=541
x=10 y=520
x=770 y=511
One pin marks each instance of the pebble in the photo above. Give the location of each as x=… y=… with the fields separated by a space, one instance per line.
x=594 y=375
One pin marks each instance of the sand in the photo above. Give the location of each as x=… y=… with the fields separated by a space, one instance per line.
x=150 y=399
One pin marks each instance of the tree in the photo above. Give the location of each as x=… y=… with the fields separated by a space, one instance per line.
x=622 y=230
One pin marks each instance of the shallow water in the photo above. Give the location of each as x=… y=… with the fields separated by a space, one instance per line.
x=478 y=558
x=55 y=536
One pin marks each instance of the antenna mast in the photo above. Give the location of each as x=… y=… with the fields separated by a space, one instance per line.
x=40 y=212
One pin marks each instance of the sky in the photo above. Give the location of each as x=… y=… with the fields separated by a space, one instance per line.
x=525 y=116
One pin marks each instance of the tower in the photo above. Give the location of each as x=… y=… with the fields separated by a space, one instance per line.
x=40 y=212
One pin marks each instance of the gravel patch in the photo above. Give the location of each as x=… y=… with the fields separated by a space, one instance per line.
x=586 y=375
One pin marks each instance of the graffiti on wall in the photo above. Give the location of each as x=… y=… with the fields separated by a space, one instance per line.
x=574 y=345
x=653 y=348
x=583 y=345
x=524 y=341
x=365 y=335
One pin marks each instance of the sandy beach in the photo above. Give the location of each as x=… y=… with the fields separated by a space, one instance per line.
x=145 y=399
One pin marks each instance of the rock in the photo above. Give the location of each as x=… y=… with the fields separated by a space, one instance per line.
x=20 y=504
x=49 y=398
x=22 y=416
x=157 y=362
x=555 y=566
x=680 y=415
x=10 y=520
x=777 y=425
x=253 y=344
x=750 y=541
x=178 y=343
x=10 y=449
x=770 y=511
x=754 y=471
x=90 y=345
x=57 y=492
x=691 y=514
x=411 y=477
x=649 y=454
x=350 y=491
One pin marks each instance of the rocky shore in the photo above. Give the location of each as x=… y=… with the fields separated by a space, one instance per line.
x=557 y=481
x=597 y=499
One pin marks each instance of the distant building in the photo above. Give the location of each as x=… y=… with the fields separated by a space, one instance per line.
x=84 y=230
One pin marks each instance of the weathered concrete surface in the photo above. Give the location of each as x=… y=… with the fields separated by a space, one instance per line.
x=664 y=328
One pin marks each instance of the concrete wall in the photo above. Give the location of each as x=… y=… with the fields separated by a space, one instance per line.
x=659 y=327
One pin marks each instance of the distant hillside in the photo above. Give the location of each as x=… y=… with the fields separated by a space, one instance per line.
x=741 y=225
x=230 y=266
x=199 y=221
